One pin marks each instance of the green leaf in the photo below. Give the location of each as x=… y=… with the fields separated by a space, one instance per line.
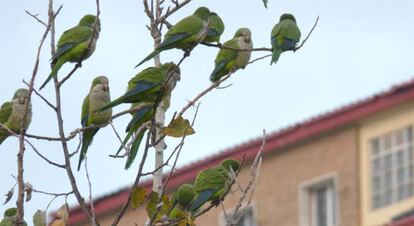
x=39 y=218
x=178 y=128
x=152 y=204
x=138 y=196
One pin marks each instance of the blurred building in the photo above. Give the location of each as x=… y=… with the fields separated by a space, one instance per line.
x=353 y=166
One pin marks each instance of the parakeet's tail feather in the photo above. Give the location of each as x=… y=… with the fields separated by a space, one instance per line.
x=275 y=55
x=150 y=56
x=138 y=115
x=200 y=199
x=134 y=148
x=113 y=103
x=217 y=74
x=124 y=142
x=86 y=142
x=3 y=136
x=56 y=65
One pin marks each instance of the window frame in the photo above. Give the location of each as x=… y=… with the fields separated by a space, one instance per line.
x=393 y=151
x=307 y=199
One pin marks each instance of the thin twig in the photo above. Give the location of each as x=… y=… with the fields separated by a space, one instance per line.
x=220 y=46
x=202 y=93
x=173 y=10
x=36 y=18
x=309 y=34
x=90 y=193
x=79 y=130
x=249 y=190
x=41 y=96
x=259 y=58
x=20 y=155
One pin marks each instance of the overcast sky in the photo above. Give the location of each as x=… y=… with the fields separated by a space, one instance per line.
x=358 y=48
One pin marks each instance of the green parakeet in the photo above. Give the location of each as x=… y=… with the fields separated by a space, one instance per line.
x=285 y=35
x=12 y=113
x=228 y=60
x=75 y=44
x=215 y=29
x=185 y=34
x=211 y=183
x=98 y=97
x=146 y=87
x=181 y=199
x=9 y=215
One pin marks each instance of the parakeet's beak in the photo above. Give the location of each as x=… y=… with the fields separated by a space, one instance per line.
x=21 y=100
x=247 y=39
x=105 y=87
x=177 y=76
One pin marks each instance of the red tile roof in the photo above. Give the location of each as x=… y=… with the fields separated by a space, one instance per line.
x=409 y=221
x=278 y=140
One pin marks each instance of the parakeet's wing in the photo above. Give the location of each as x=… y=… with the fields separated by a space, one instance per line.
x=5 y=112
x=208 y=182
x=226 y=55
x=290 y=30
x=85 y=111
x=140 y=87
x=285 y=29
x=275 y=31
x=225 y=60
x=71 y=38
x=184 y=29
x=216 y=26
x=150 y=78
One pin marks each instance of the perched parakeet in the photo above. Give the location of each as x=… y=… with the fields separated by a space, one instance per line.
x=185 y=34
x=211 y=183
x=146 y=87
x=181 y=199
x=75 y=44
x=12 y=113
x=285 y=35
x=9 y=215
x=98 y=97
x=215 y=29
x=228 y=60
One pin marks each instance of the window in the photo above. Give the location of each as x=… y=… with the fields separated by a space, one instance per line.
x=392 y=167
x=248 y=218
x=319 y=202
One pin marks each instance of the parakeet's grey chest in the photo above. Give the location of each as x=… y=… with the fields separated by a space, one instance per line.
x=17 y=114
x=92 y=44
x=98 y=98
x=243 y=57
x=204 y=31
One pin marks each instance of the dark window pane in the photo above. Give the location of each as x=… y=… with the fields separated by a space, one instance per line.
x=377 y=202
x=410 y=133
x=400 y=157
x=377 y=184
x=401 y=176
x=387 y=162
x=321 y=207
x=399 y=137
x=375 y=148
x=387 y=142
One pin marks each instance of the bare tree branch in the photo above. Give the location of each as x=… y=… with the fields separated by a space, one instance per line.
x=93 y=220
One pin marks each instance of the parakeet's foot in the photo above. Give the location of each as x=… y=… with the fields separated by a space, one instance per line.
x=187 y=52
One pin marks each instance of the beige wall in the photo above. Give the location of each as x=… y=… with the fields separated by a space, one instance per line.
x=386 y=122
x=277 y=193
